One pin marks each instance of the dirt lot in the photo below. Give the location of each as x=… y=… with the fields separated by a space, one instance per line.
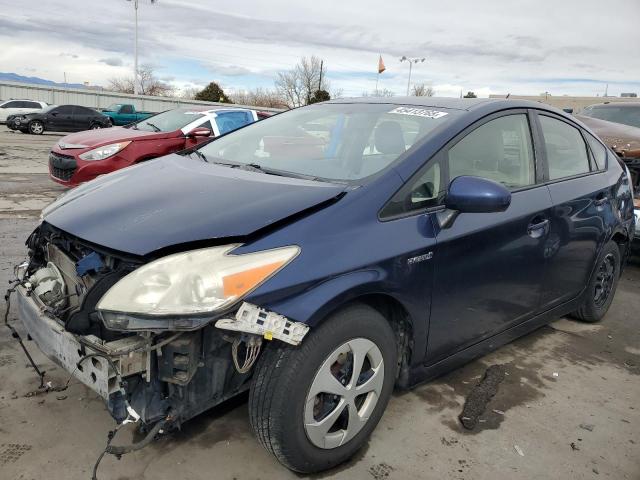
x=569 y=402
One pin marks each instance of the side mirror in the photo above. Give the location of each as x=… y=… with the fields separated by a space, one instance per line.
x=468 y=194
x=567 y=110
x=54 y=114
x=199 y=132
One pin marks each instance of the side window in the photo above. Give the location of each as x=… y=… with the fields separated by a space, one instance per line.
x=206 y=124
x=126 y=109
x=64 y=110
x=33 y=105
x=421 y=191
x=566 y=150
x=598 y=150
x=229 y=121
x=499 y=150
x=13 y=104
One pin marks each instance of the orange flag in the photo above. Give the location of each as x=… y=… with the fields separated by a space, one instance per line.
x=381 y=67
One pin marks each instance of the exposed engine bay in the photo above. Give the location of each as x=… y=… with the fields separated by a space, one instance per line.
x=154 y=375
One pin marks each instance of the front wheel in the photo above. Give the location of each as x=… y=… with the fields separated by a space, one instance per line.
x=95 y=126
x=36 y=127
x=602 y=287
x=314 y=406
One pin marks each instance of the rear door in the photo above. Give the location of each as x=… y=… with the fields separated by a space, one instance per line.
x=82 y=118
x=489 y=267
x=581 y=198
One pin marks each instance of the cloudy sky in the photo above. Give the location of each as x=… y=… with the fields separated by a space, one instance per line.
x=497 y=46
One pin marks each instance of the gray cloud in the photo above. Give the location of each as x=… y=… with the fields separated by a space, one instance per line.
x=495 y=45
x=112 y=61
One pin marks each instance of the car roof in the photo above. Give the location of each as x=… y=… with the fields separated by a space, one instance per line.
x=208 y=108
x=631 y=104
x=449 y=102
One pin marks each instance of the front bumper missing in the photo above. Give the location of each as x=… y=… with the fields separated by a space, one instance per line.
x=66 y=349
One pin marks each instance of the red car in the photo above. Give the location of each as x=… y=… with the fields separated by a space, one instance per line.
x=83 y=156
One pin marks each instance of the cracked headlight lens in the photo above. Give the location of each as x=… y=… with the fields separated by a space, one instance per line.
x=191 y=283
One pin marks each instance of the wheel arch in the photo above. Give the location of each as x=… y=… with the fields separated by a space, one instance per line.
x=316 y=305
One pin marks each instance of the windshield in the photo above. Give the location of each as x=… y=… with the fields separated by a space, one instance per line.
x=168 y=121
x=114 y=107
x=625 y=115
x=48 y=109
x=333 y=141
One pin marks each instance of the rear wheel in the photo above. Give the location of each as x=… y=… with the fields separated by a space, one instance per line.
x=36 y=127
x=314 y=406
x=602 y=287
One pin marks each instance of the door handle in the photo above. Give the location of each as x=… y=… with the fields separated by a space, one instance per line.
x=537 y=230
x=601 y=199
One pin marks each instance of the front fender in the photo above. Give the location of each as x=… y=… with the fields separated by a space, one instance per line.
x=314 y=304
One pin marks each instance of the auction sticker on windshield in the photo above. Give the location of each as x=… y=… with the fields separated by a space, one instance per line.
x=418 y=112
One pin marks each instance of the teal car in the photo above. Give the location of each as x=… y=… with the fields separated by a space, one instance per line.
x=124 y=114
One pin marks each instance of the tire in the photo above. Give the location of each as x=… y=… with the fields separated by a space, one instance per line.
x=285 y=374
x=602 y=286
x=36 y=127
x=95 y=126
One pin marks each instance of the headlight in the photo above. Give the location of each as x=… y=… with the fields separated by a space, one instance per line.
x=181 y=291
x=101 y=153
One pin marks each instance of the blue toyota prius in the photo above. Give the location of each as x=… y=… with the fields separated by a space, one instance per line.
x=321 y=257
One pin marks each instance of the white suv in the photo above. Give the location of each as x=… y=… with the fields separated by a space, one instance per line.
x=15 y=107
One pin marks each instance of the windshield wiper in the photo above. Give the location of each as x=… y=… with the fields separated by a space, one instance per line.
x=155 y=128
x=200 y=155
x=255 y=167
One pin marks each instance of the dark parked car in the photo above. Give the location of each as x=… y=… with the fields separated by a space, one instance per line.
x=627 y=113
x=62 y=118
x=321 y=257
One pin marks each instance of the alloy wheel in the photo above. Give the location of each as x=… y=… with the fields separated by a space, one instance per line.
x=344 y=393
x=36 y=128
x=605 y=277
x=96 y=126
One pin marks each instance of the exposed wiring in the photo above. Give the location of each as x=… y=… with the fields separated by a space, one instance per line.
x=15 y=334
x=251 y=352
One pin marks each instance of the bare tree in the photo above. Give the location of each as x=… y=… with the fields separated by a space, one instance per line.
x=260 y=97
x=148 y=84
x=422 y=90
x=189 y=93
x=297 y=86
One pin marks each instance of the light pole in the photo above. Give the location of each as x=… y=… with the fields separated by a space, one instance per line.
x=411 y=62
x=135 y=48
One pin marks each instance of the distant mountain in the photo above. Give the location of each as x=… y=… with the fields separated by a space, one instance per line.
x=14 y=77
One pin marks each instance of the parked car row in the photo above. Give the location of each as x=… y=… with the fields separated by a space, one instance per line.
x=319 y=258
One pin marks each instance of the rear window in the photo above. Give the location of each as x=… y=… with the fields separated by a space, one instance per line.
x=598 y=151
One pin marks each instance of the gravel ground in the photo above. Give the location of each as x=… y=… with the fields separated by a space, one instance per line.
x=567 y=406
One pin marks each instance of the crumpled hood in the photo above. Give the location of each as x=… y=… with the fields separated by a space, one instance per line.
x=104 y=136
x=176 y=199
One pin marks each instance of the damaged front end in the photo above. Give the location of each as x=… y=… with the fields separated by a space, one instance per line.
x=160 y=340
